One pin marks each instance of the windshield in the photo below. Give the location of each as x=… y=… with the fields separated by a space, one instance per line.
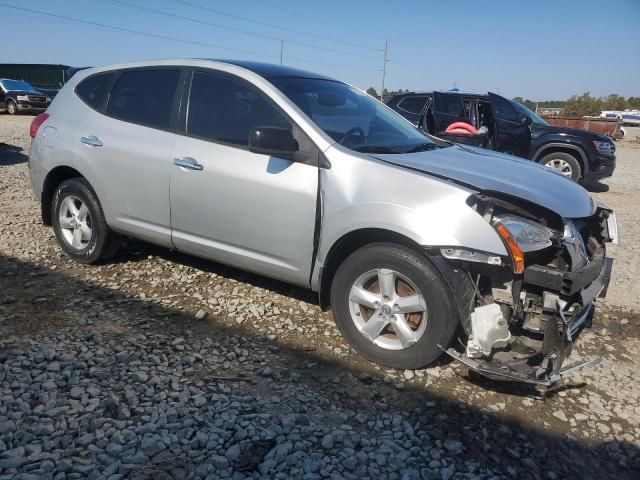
x=538 y=120
x=353 y=118
x=16 y=85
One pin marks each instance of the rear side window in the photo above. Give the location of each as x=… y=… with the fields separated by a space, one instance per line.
x=225 y=110
x=92 y=89
x=144 y=97
x=412 y=104
x=450 y=104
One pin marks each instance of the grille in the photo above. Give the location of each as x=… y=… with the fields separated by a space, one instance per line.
x=37 y=99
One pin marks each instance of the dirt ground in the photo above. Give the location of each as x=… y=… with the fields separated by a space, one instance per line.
x=254 y=339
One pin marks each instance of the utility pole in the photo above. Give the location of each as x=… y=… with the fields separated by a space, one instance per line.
x=384 y=70
x=281 y=49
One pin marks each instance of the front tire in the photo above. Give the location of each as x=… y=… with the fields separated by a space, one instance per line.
x=11 y=107
x=79 y=223
x=564 y=164
x=393 y=306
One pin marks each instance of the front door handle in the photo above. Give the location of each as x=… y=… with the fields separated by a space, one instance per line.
x=188 y=162
x=91 y=140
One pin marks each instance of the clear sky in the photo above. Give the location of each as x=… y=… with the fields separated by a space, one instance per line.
x=542 y=49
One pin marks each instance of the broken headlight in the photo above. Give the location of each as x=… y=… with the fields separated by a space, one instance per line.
x=521 y=235
x=529 y=236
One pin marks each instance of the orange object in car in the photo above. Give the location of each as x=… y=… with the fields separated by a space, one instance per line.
x=461 y=127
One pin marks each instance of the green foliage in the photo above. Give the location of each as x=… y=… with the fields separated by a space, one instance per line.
x=387 y=93
x=615 y=102
x=391 y=93
x=531 y=105
x=527 y=103
x=585 y=104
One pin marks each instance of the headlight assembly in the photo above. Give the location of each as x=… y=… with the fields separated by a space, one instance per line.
x=520 y=236
x=22 y=98
x=606 y=148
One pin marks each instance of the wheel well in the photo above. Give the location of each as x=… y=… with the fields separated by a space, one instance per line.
x=571 y=151
x=348 y=244
x=54 y=178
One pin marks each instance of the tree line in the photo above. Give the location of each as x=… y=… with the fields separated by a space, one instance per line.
x=577 y=105
x=585 y=104
x=387 y=93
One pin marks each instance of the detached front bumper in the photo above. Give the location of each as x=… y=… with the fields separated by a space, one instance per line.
x=567 y=308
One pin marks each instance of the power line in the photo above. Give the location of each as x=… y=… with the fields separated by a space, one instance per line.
x=135 y=32
x=286 y=29
x=167 y=37
x=232 y=29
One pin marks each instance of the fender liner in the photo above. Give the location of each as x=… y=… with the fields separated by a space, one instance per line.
x=460 y=285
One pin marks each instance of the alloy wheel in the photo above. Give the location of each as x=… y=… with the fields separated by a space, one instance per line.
x=75 y=222
x=388 y=309
x=561 y=166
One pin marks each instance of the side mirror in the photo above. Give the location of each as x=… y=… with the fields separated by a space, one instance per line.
x=526 y=120
x=274 y=141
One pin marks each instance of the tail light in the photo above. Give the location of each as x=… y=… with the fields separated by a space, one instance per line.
x=35 y=124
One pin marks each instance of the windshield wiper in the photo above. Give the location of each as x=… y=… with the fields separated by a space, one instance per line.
x=374 y=149
x=424 y=147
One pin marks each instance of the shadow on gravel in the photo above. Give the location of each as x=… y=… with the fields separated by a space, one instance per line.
x=597 y=187
x=135 y=251
x=41 y=305
x=11 y=155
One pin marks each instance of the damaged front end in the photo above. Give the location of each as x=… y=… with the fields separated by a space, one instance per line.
x=530 y=306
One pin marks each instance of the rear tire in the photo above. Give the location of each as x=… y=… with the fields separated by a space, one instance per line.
x=79 y=223
x=11 y=107
x=362 y=278
x=564 y=164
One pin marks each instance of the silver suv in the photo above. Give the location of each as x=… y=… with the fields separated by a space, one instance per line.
x=417 y=244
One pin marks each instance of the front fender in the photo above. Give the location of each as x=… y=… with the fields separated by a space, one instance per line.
x=449 y=222
x=570 y=143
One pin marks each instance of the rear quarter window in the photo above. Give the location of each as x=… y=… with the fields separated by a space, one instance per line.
x=144 y=97
x=92 y=89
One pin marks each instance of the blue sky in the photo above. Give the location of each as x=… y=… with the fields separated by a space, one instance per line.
x=539 y=49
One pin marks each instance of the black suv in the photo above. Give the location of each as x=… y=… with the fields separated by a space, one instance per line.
x=19 y=96
x=509 y=127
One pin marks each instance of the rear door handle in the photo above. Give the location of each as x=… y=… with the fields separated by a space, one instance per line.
x=188 y=162
x=91 y=140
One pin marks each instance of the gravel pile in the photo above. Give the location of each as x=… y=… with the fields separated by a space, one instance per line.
x=162 y=366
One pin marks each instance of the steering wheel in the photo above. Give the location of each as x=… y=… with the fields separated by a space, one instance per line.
x=351 y=132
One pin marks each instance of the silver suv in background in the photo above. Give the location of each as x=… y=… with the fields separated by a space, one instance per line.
x=309 y=180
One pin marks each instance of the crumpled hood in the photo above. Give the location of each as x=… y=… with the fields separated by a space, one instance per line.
x=490 y=171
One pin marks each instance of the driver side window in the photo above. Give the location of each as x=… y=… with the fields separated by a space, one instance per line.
x=225 y=110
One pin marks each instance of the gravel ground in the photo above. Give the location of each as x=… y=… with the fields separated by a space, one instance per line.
x=163 y=366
